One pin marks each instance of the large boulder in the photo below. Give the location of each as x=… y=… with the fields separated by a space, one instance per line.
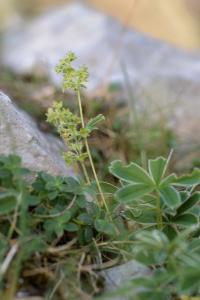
x=20 y=135
x=164 y=80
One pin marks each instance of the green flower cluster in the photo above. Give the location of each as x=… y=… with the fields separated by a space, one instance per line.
x=73 y=79
x=69 y=128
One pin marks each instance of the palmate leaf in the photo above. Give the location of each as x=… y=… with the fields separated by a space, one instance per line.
x=170 y=197
x=157 y=168
x=132 y=192
x=131 y=173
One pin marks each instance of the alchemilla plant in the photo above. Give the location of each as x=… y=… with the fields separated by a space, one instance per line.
x=56 y=232
x=67 y=123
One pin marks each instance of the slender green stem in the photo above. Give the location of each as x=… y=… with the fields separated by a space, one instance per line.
x=89 y=154
x=85 y=173
x=95 y=175
x=83 y=166
x=80 y=109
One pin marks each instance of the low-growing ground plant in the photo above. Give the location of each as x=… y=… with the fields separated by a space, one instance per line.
x=57 y=232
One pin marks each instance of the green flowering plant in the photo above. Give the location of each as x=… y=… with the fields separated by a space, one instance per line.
x=68 y=124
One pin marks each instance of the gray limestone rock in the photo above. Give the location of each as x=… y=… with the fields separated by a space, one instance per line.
x=118 y=276
x=20 y=135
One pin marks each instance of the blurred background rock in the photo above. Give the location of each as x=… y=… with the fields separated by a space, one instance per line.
x=175 y=21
